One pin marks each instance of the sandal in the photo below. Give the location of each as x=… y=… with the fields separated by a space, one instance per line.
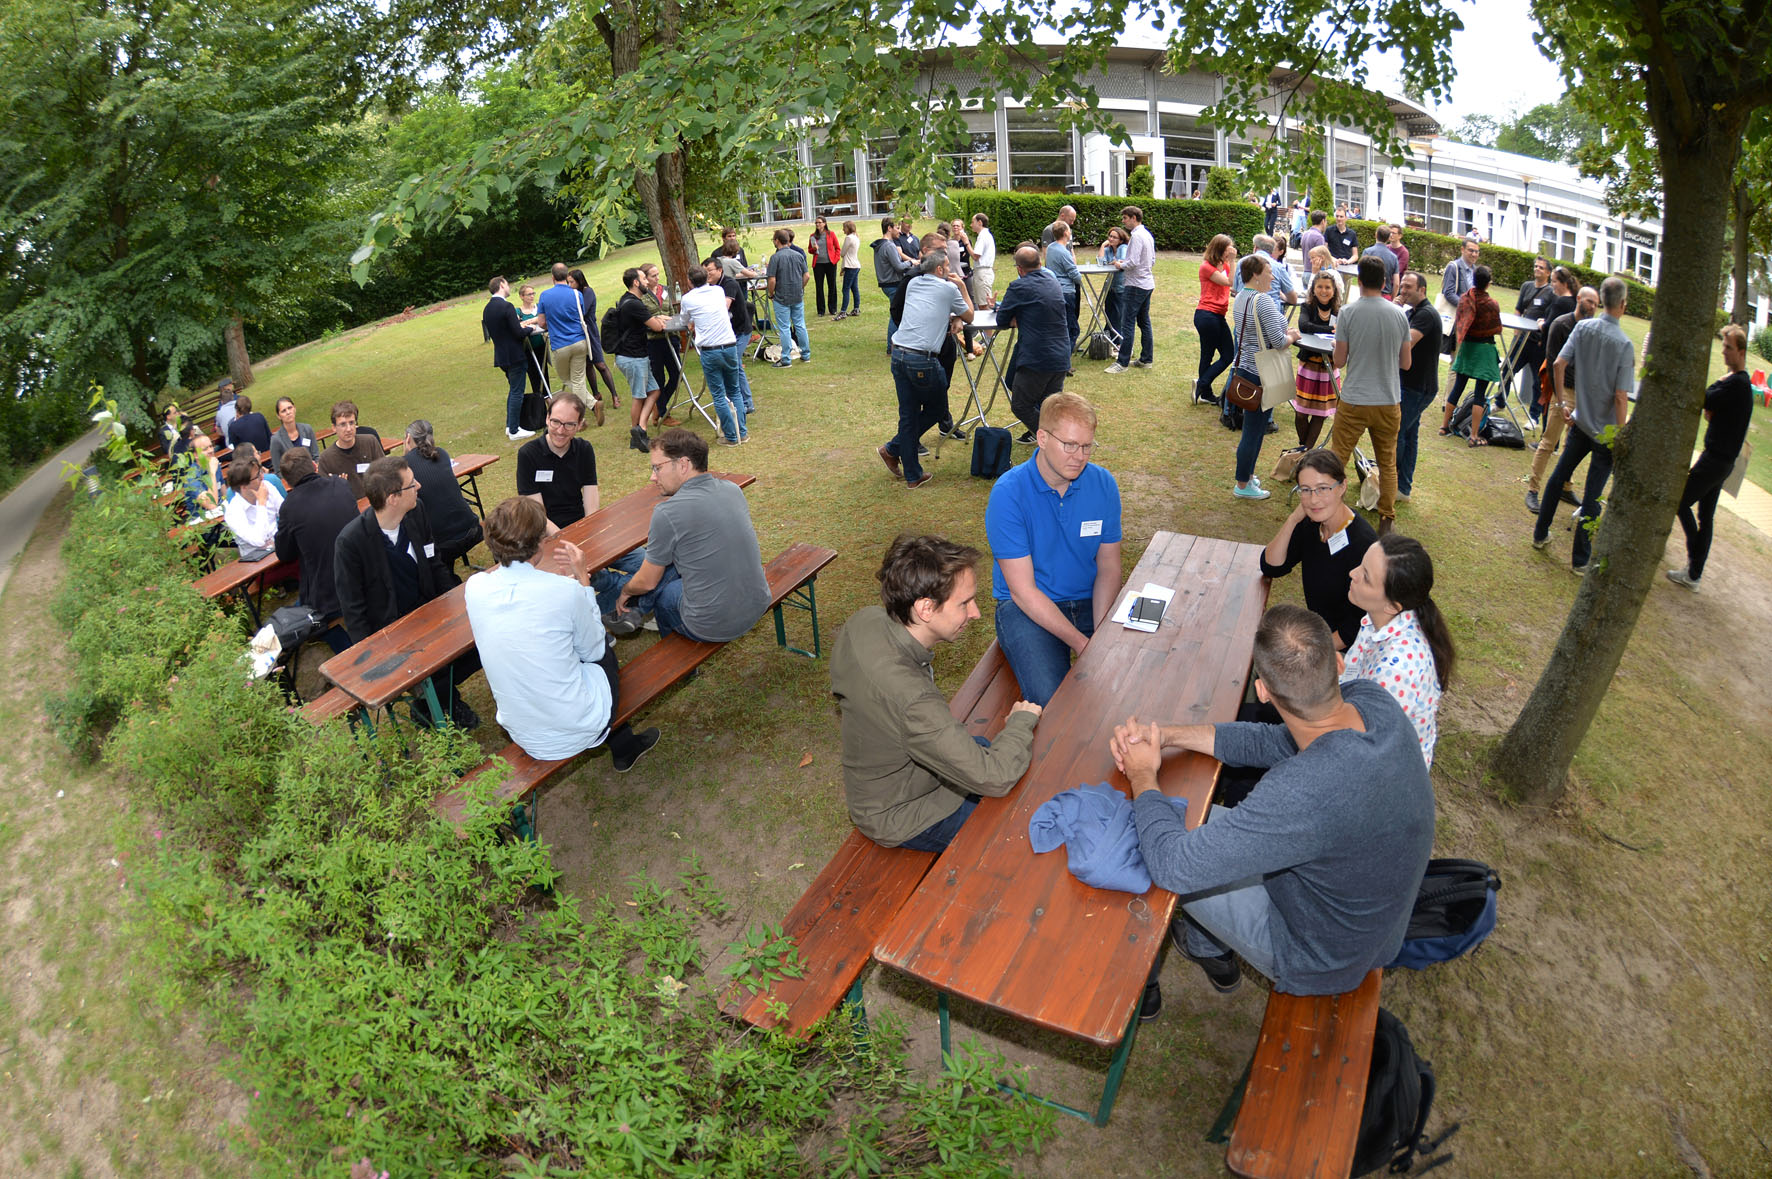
x=1478 y=440
x=1445 y=431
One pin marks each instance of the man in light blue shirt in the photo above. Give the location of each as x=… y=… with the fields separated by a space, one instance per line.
x=934 y=298
x=1283 y=292
x=1063 y=265
x=549 y=663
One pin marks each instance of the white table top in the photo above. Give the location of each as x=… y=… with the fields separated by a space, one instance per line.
x=1520 y=322
x=1097 y=268
x=1315 y=343
x=983 y=319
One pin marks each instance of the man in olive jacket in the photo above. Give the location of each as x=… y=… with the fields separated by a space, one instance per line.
x=911 y=772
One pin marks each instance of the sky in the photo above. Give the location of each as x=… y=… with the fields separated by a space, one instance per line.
x=1497 y=33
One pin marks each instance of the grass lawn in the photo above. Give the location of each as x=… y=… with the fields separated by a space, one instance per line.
x=1616 y=1022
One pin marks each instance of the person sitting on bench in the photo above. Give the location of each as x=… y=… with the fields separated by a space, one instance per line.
x=547 y=659
x=315 y=511
x=1313 y=876
x=911 y=772
x=701 y=574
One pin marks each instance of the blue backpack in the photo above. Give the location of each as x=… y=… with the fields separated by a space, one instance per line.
x=1454 y=911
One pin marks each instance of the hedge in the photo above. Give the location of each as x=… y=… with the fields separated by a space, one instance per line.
x=1431 y=252
x=1176 y=225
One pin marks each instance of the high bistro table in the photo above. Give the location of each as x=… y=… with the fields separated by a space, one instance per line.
x=1097 y=277
x=987 y=367
x=1510 y=363
x=1015 y=932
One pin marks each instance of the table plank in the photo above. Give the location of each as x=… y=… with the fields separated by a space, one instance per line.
x=994 y=923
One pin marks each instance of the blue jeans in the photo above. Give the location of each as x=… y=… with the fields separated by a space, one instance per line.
x=1038 y=657
x=606 y=583
x=517 y=375
x=724 y=376
x=1239 y=916
x=743 y=386
x=851 y=288
x=1254 y=431
x=1217 y=348
x=1135 y=311
x=1576 y=446
x=922 y=400
x=664 y=602
x=1071 y=323
x=790 y=321
x=938 y=835
x=1407 y=436
x=891 y=324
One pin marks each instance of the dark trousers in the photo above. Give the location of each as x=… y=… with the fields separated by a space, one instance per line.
x=889 y=293
x=666 y=370
x=922 y=399
x=1704 y=484
x=824 y=278
x=1029 y=390
x=1134 y=306
x=514 y=397
x=1070 y=317
x=538 y=348
x=1216 y=346
x=1577 y=445
x=621 y=739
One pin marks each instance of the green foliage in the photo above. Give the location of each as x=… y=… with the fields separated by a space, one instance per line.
x=38 y=424
x=1557 y=131
x=1322 y=193
x=1221 y=185
x=1763 y=342
x=1176 y=225
x=1141 y=183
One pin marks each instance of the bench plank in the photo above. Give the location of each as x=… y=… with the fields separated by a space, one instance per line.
x=1307 y=1086
x=333 y=703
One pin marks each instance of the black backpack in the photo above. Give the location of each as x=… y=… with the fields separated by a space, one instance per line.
x=1399 y=1097
x=1454 y=911
x=992 y=452
x=1100 y=347
x=1502 y=432
x=608 y=330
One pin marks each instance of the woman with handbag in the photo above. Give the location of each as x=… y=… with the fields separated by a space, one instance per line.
x=1215 y=298
x=1476 y=327
x=1315 y=401
x=1261 y=341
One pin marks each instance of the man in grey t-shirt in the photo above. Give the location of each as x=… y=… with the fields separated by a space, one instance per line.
x=1604 y=360
x=787 y=292
x=1372 y=349
x=701 y=575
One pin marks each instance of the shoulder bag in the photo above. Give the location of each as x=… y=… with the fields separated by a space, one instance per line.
x=1275 y=365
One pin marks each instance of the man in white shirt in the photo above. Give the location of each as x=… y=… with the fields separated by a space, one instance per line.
x=984 y=261
x=707 y=308
x=1135 y=291
x=549 y=663
x=251 y=510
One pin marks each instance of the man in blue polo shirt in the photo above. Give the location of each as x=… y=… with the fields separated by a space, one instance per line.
x=1054 y=528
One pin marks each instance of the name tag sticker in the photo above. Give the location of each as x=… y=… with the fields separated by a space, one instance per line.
x=544 y=476
x=430 y=550
x=1338 y=542
x=362 y=467
x=1091 y=528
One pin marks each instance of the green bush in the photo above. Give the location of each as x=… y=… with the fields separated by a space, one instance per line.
x=1322 y=194
x=1176 y=225
x=1763 y=342
x=1141 y=184
x=39 y=424
x=1222 y=185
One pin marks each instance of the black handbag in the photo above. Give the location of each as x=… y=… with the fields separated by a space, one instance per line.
x=992 y=452
x=533 y=413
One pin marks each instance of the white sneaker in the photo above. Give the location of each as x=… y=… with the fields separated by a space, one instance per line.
x=518 y=435
x=1141 y=364
x=1681 y=577
x=1115 y=367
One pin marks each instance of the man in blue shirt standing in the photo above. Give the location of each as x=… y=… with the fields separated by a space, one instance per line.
x=568 y=344
x=1034 y=304
x=1053 y=523
x=1063 y=265
x=932 y=298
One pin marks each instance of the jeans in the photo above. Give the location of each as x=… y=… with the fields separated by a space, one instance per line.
x=790 y=321
x=607 y=583
x=1254 y=431
x=514 y=397
x=1578 y=447
x=743 y=385
x=1238 y=917
x=824 y=278
x=1380 y=423
x=1408 y=437
x=1070 y=317
x=922 y=400
x=938 y=835
x=1135 y=311
x=1039 y=658
x=890 y=293
x=538 y=351
x=723 y=373
x=1029 y=391
x=1703 y=486
x=851 y=289
x=664 y=602
x=638 y=371
x=1216 y=346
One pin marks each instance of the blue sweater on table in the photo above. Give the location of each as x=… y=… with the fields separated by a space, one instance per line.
x=1340 y=835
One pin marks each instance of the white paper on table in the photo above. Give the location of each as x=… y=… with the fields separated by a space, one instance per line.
x=1123 y=613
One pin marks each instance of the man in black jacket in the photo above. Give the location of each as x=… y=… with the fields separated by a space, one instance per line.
x=314 y=511
x=510 y=351
x=386 y=565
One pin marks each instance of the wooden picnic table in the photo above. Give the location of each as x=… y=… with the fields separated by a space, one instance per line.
x=398 y=657
x=993 y=922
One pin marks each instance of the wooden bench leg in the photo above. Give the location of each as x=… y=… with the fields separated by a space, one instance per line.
x=804 y=598
x=1110 y=1091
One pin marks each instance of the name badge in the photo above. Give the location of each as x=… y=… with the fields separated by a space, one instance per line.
x=362 y=467
x=1091 y=528
x=430 y=550
x=1338 y=542
x=544 y=476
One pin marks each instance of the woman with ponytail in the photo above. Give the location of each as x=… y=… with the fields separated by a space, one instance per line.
x=452 y=521
x=1403 y=643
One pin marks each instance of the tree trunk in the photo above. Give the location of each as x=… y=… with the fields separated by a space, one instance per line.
x=1651 y=453
x=239 y=362
x=1743 y=211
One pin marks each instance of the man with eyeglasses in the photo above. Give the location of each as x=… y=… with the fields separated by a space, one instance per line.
x=559 y=472
x=1053 y=523
x=700 y=574
x=385 y=565
x=353 y=448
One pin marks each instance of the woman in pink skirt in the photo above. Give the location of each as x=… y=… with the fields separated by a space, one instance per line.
x=1315 y=402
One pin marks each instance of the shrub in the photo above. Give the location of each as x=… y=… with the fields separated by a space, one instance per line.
x=1176 y=225
x=1221 y=185
x=1322 y=194
x=38 y=424
x=1141 y=184
x=1763 y=342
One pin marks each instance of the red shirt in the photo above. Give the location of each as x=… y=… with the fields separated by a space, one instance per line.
x=1214 y=298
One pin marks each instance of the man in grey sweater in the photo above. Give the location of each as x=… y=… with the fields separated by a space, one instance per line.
x=1313 y=876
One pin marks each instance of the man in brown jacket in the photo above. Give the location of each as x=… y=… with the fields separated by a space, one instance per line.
x=911 y=772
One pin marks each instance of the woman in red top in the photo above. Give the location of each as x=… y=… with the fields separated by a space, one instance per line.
x=826 y=249
x=1216 y=348
x=1476 y=328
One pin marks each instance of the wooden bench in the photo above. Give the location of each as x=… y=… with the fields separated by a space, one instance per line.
x=846 y=908
x=329 y=705
x=1300 y=1116
x=645 y=678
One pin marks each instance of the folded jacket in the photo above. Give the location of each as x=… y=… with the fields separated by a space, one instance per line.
x=1094 y=823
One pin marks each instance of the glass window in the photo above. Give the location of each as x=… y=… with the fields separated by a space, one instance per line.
x=785 y=200
x=1351 y=170
x=1434 y=215
x=879 y=151
x=833 y=180
x=1557 y=237
x=1189 y=149
x=1040 y=158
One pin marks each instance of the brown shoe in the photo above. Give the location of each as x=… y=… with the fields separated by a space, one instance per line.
x=597 y=411
x=912 y=486
x=1386 y=524
x=667 y=422
x=891 y=462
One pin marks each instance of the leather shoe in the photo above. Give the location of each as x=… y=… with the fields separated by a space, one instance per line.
x=1532 y=502
x=891 y=461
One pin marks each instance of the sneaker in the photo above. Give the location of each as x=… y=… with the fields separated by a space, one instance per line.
x=652 y=625
x=913 y=484
x=1579 y=570
x=730 y=441
x=637 y=440
x=784 y=362
x=1533 y=503
x=805 y=360
x=954 y=432
x=1402 y=497
x=646 y=740
x=1681 y=577
x=891 y=461
x=1117 y=367
x=463 y=717
x=1253 y=491
x=1027 y=438
x=1141 y=364
x=1540 y=542
x=519 y=435
x=922 y=451
x=622 y=625
x=1221 y=972
x=1152 y=1005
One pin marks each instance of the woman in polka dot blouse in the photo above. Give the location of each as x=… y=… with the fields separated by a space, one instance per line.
x=1403 y=644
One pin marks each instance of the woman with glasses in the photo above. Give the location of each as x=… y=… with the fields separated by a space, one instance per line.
x=1327 y=539
x=535 y=327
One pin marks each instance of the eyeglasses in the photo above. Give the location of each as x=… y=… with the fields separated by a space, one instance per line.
x=558 y=424
x=1083 y=448
x=413 y=486
x=1325 y=489
x=657 y=467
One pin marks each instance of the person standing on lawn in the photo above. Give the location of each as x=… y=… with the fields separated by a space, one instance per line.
x=932 y=299
x=1137 y=285
x=1372 y=349
x=1729 y=408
